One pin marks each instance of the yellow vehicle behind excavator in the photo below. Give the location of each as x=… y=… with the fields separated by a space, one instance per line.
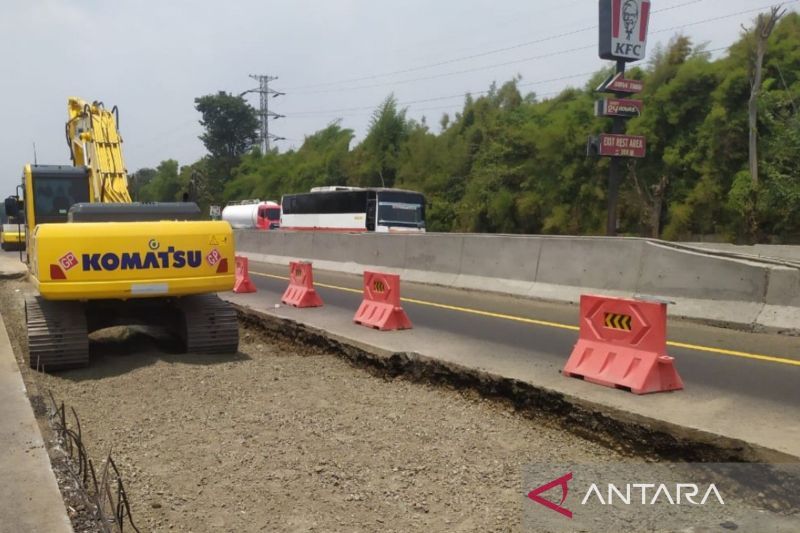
x=12 y=235
x=99 y=260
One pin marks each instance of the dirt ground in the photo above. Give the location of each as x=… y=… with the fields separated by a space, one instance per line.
x=279 y=439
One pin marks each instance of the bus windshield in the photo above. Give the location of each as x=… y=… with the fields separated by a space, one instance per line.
x=401 y=209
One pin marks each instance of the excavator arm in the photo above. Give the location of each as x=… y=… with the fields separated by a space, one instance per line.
x=95 y=143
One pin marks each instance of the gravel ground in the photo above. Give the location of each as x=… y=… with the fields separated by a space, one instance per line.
x=279 y=439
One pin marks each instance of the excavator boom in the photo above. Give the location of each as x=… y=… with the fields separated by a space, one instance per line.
x=95 y=143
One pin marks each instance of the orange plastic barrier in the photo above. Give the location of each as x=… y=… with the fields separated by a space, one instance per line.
x=623 y=344
x=301 y=292
x=243 y=283
x=380 y=308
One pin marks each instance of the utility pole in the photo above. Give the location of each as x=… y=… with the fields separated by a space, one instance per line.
x=264 y=114
x=615 y=166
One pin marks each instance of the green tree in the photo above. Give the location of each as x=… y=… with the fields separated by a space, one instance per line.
x=138 y=180
x=377 y=156
x=165 y=186
x=231 y=126
x=321 y=160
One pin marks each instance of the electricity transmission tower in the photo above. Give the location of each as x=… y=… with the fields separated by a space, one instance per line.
x=264 y=114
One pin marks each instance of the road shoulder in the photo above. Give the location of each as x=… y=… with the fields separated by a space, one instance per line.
x=29 y=495
x=727 y=427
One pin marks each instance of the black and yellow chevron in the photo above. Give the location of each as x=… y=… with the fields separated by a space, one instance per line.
x=617 y=321
x=378 y=286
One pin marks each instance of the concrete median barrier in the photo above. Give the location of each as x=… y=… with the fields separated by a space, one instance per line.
x=719 y=289
x=339 y=247
x=500 y=256
x=680 y=273
x=598 y=263
x=377 y=250
x=785 y=252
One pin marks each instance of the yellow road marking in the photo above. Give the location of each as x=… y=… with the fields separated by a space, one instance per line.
x=524 y=320
x=735 y=353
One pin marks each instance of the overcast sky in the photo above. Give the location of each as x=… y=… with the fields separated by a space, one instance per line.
x=334 y=59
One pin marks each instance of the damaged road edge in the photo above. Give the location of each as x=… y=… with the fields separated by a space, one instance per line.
x=625 y=432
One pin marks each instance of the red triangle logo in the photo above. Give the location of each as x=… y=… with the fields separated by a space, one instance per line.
x=562 y=482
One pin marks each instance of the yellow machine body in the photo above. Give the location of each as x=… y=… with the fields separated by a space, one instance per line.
x=122 y=260
x=111 y=259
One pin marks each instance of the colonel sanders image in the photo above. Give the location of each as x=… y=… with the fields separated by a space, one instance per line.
x=630 y=14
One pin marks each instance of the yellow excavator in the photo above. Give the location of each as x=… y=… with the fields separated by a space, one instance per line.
x=98 y=259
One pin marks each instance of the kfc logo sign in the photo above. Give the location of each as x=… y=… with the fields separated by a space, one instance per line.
x=623 y=29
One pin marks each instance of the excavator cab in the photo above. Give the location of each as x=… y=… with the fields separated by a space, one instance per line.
x=52 y=189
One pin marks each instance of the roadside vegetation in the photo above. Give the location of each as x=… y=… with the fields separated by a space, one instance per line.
x=512 y=161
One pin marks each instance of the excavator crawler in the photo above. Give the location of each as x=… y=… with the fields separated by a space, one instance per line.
x=98 y=259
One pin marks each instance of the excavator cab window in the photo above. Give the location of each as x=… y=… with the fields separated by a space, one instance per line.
x=54 y=195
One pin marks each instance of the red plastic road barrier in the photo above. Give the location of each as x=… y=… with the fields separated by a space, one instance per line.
x=623 y=344
x=300 y=292
x=381 y=306
x=243 y=283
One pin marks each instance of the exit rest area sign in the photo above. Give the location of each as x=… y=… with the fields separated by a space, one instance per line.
x=621 y=145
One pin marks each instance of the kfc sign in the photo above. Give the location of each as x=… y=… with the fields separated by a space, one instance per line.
x=623 y=29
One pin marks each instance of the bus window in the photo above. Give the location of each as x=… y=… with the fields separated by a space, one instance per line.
x=401 y=209
x=354 y=210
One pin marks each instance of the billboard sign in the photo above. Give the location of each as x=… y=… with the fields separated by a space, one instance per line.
x=618 y=107
x=623 y=29
x=621 y=145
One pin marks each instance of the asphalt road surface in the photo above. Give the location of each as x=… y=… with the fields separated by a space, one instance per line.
x=765 y=366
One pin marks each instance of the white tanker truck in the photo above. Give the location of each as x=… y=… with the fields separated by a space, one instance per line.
x=253 y=214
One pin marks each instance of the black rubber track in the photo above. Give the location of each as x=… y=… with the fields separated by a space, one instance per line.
x=210 y=325
x=57 y=334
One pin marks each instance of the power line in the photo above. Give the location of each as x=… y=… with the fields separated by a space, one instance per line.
x=311 y=114
x=365 y=110
x=542 y=56
x=548 y=55
x=355 y=111
x=722 y=17
x=466 y=58
x=433 y=99
x=475 y=69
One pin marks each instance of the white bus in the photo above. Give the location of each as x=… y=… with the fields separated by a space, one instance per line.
x=354 y=209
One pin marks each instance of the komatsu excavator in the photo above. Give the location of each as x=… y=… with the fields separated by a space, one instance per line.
x=98 y=259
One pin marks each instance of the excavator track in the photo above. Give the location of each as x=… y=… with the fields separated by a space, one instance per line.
x=57 y=335
x=209 y=325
